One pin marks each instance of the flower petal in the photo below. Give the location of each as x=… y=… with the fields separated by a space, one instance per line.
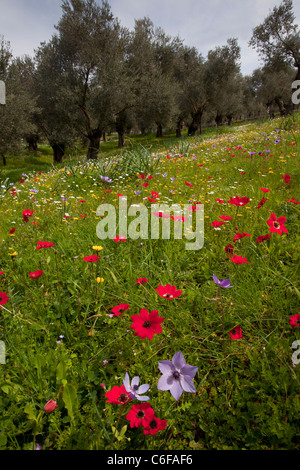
x=165 y=382
x=166 y=367
x=143 y=389
x=188 y=370
x=135 y=381
x=176 y=389
x=126 y=382
x=187 y=384
x=178 y=360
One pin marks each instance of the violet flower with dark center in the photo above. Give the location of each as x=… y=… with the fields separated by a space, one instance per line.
x=134 y=389
x=177 y=376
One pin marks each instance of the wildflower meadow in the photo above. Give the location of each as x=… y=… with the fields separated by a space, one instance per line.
x=140 y=344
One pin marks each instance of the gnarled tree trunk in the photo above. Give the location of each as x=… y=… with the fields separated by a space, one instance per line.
x=219 y=120
x=94 y=144
x=120 y=130
x=58 y=152
x=159 y=131
x=196 y=124
x=281 y=106
x=179 y=127
x=32 y=143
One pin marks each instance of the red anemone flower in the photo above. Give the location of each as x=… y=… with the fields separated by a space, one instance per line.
x=26 y=214
x=118 y=395
x=141 y=280
x=155 y=425
x=119 y=309
x=12 y=231
x=3 y=298
x=239 y=259
x=236 y=333
x=262 y=238
x=146 y=324
x=239 y=201
x=36 y=274
x=265 y=190
x=293 y=200
x=140 y=415
x=43 y=245
x=120 y=239
x=295 y=320
x=277 y=225
x=229 y=249
x=238 y=236
x=286 y=178
x=189 y=184
x=91 y=259
x=262 y=202
x=217 y=223
x=161 y=214
x=168 y=291
x=225 y=217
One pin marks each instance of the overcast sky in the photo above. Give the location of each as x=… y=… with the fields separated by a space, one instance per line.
x=203 y=24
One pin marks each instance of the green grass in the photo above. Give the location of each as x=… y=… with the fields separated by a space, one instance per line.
x=42 y=160
x=61 y=342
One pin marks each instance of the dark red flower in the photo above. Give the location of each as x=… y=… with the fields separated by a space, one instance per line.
x=141 y=280
x=265 y=190
x=155 y=425
x=262 y=202
x=26 y=214
x=146 y=324
x=43 y=245
x=140 y=415
x=239 y=201
x=277 y=225
x=168 y=291
x=238 y=236
x=36 y=274
x=189 y=184
x=118 y=395
x=286 y=178
x=225 y=217
x=3 y=298
x=236 y=333
x=262 y=238
x=239 y=259
x=293 y=200
x=120 y=239
x=217 y=223
x=12 y=230
x=119 y=309
x=295 y=320
x=229 y=249
x=91 y=259
x=220 y=201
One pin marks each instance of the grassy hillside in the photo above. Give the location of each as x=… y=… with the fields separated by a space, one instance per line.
x=69 y=330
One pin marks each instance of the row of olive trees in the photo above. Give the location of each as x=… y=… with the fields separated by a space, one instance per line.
x=95 y=76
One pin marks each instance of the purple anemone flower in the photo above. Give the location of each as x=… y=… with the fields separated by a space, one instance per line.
x=177 y=376
x=134 y=389
x=224 y=283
